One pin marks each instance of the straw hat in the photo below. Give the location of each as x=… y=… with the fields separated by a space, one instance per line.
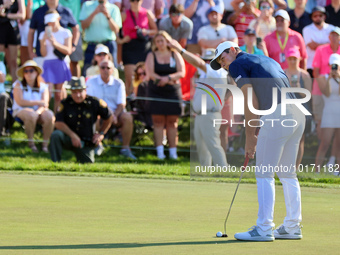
x=20 y=71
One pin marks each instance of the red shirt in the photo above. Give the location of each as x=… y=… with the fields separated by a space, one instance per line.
x=241 y=24
x=321 y=60
x=295 y=39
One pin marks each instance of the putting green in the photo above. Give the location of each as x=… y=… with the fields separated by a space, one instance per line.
x=82 y=215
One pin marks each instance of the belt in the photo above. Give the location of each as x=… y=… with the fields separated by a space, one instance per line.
x=102 y=42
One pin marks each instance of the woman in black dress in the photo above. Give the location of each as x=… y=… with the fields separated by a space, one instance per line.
x=165 y=68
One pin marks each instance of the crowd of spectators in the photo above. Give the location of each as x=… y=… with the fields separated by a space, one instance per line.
x=123 y=34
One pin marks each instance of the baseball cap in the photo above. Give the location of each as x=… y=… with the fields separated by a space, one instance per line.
x=334 y=59
x=282 y=13
x=208 y=54
x=101 y=48
x=293 y=52
x=250 y=31
x=318 y=9
x=215 y=9
x=336 y=30
x=77 y=83
x=219 y=50
x=51 y=17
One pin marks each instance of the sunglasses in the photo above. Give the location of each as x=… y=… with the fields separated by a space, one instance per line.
x=264 y=8
x=140 y=74
x=317 y=15
x=217 y=33
x=31 y=70
x=105 y=67
x=175 y=14
x=101 y=54
x=134 y=1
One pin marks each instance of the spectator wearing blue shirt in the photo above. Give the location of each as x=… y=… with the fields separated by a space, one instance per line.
x=249 y=43
x=37 y=24
x=276 y=145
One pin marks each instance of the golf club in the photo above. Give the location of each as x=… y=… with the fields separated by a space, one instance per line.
x=246 y=161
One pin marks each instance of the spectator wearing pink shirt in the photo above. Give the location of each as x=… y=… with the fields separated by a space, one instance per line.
x=321 y=67
x=155 y=6
x=282 y=39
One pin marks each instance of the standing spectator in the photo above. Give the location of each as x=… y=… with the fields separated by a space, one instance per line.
x=55 y=45
x=316 y=34
x=299 y=78
x=282 y=39
x=5 y=99
x=228 y=10
x=101 y=53
x=112 y=91
x=77 y=50
x=299 y=17
x=196 y=10
x=321 y=67
x=75 y=124
x=213 y=34
x=138 y=25
x=10 y=12
x=30 y=96
x=250 y=40
x=38 y=24
x=31 y=6
x=333 y=11
x=101 y=22
x=177 y=25
x=154 y=6
x=265 y=23
x=242 y=17
x=164 y=67
x=330 y=124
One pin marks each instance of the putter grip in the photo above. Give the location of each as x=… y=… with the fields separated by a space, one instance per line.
x=246 y=160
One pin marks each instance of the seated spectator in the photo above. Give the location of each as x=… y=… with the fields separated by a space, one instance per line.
x=101 y=53
x=5 y=99
x=265 y=23
x=10 y=13
x=164 y=67
x=250 y=40
x=104 y=86
x=299 y=78
x=316 y=34
x=330 y=125
x=177 y=25
x=30 y=104
x=242 y=17
x=196 y=11
x=139 y=76
x=138 y=25
x=101 y=22
x=299 y=17
x=333 y=11
x=282 y=39
x=210 y=36
x=75 y=119
x=55 y=45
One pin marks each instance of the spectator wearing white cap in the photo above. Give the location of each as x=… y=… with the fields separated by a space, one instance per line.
x=316 y=34
x=55 y=45
x=282 y=39
x=213 y=34
x=330 y=125
x=101 y=53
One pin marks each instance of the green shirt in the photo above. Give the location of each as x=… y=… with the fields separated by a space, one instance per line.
x=74 y=6
x=36 y=4
x=99 y=29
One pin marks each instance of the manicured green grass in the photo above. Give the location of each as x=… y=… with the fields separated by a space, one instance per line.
x=80 y=215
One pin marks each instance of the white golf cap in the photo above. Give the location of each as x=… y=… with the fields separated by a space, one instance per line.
x=219 y=50
x=51 y=17
x=282 y=13
x=101 y=48
x=334 y=59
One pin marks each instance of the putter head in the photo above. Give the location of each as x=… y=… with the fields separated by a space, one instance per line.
x=224 y=235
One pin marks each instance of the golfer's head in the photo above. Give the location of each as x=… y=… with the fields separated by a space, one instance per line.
x=225 y=54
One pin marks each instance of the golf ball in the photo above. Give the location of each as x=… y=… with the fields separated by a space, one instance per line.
x=219 y=234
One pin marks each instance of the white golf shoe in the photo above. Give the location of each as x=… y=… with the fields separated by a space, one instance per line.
x=283 y=232
x=256 y=234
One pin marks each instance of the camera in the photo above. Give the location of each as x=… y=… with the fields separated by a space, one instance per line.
x=294 y=78
x=334 y=67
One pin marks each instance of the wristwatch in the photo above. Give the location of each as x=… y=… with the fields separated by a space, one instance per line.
x=102 y=133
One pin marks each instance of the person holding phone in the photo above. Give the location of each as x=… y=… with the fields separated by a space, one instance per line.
x=265 y=23
x=164 y=67
x=330 y=124
x=55 y=45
